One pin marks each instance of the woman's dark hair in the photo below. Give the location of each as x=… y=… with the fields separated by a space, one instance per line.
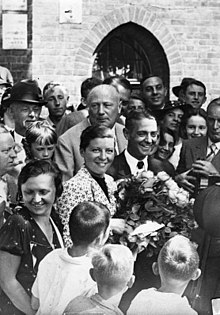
x=87 y=221
x=38 y=167
x=93 y=132
x=170 y=132
x=192 y=112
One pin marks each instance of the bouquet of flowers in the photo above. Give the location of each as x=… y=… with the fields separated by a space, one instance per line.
x=155 y=208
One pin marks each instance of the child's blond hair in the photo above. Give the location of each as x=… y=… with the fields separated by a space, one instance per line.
x=113 y=265
x=178 y=258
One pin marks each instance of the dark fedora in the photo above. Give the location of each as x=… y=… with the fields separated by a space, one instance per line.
x=185 y=82
x=27 y=91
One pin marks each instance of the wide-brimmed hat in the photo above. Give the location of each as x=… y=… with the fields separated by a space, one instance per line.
x=183 y=85
x=27 y=91
x=160 y=113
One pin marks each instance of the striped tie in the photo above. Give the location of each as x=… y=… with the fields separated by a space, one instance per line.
x=213 y=151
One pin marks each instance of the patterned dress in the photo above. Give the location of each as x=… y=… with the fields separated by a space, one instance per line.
x=22 y=236
x=83 y=187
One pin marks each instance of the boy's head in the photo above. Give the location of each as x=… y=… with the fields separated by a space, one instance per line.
x=178 y=260
x=89 y=224
x=113 y=267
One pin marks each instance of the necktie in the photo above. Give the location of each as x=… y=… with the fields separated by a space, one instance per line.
x=140 y=165
x=213 y=151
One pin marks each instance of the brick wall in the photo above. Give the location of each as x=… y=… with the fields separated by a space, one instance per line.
x=188 y=31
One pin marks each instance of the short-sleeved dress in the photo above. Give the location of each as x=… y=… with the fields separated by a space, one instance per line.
x=21 y=236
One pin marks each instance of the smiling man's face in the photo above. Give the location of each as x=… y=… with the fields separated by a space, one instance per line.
x=142 y=137
x=154 y=92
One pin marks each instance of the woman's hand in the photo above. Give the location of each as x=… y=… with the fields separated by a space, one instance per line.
x=117 y=225
x=9 y=265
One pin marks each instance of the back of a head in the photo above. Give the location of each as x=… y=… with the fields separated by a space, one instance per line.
x=88 y=221
x=178 y=259
x=113 y=265
x=88 y=84
x=118 y=80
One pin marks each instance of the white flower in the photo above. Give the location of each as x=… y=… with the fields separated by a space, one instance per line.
x=163 y=176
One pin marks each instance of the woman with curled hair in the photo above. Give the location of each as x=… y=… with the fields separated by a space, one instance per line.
x=28 y=235
x=40 y=140
x=194 y=124
x=91 y=183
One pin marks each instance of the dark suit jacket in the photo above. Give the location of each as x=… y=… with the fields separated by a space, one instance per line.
x=67 y=154
x=119 y=168
x=195 y=149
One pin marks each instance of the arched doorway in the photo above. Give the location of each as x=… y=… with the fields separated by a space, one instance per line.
x=132 y=51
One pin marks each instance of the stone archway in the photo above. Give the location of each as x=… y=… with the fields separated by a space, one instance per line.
x=141 y=16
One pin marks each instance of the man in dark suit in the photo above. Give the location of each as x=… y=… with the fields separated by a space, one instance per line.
x=141 y=131
x=104 y=107
x=200 y=157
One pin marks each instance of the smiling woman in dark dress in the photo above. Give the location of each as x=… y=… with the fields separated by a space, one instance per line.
x=28 y=235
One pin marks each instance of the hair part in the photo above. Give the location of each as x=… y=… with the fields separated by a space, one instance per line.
x=113 y=265
x=178 y=258
x=87 y=221
x=136 y=115
x=93 y=132
x=40 y=167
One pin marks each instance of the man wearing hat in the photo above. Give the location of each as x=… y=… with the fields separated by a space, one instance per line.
x=191 y=91
x=25 y=104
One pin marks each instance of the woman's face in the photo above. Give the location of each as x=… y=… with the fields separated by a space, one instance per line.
x=39 y=194
x=173 y=119
x=99 y=155
x=196 y=127
x=42 y=151
x=165 y=147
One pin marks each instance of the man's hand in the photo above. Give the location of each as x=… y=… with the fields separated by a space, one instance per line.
x=186 y=181
x=204 y=168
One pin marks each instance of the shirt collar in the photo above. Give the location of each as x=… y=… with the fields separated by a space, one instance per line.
x=216 y=143
x=132 y=162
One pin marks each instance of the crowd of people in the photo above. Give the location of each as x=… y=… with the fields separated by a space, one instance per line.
x=58 y=178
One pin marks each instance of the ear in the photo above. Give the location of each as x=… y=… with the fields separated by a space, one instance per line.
x=131 y=282
x=83 y=101
x=155 y=269
x=92 y=274
x=204 y=100
x=165 y=88
x=196 y=274
x=119 y=107
x=82 y=152
x=125 y=132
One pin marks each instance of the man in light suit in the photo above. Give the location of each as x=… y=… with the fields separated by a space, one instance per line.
x=197 y=157
x=104 y=107
x=141 y=131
